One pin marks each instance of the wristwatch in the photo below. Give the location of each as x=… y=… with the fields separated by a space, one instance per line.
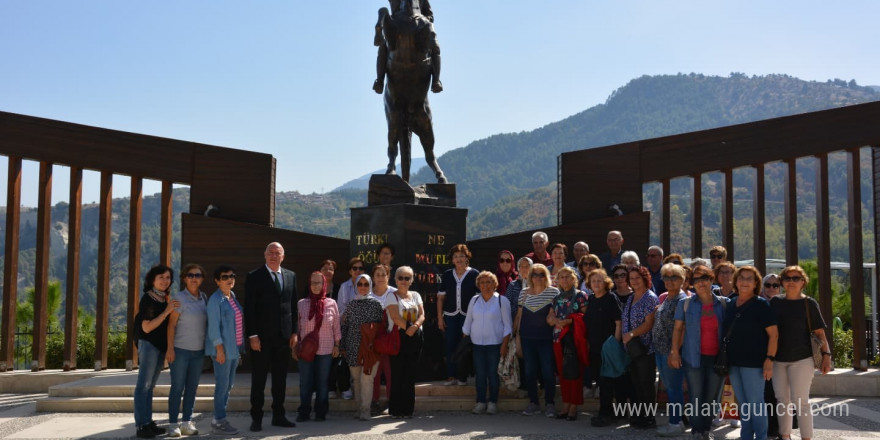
x=631 y=335
x=772 y=358
x=826 y=353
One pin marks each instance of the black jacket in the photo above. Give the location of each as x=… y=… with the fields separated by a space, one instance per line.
x=266 y=313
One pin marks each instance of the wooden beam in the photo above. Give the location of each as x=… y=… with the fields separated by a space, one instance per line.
x=102 y=305
x=41 y=268
x=134 y=269
x=790 y=196
x=665 y=227
x=697 y=217
x=10 y=264
x=165 y=224
x=71 y=302
x=823 y=241
x=727 y=213
x=856 y=257
x=759 y=250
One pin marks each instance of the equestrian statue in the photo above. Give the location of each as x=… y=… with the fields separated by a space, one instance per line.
x=410 y=58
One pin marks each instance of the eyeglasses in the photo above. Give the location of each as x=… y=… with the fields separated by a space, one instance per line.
x=357 y=268
x=716 y=256
x=619 y=276
x=668 y=279
x=538 y=275
x=505 y=260
x=363 y=284
x=590 y=264
x=194 y=275
x=705 y=278
x=676 y=262
x=227 y=277
x=795 y=279
x=404 y=278
x=771 y=285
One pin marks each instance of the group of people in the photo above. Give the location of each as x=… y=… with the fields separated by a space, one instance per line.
x=604 y=319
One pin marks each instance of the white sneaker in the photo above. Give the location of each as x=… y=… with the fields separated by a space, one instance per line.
x=188 y=428
x=450 y=383
x=462 y=383
x=735 y=423
x=492 y=408
x=173 y=430
x=331 y=395
x=671 y=430
x=347 y=395
x=717 y=421
x=479 y=408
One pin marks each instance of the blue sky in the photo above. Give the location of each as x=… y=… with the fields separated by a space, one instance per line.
x=292 y=78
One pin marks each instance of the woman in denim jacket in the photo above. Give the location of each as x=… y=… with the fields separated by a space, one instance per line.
x=224 y=343
x=701 y=313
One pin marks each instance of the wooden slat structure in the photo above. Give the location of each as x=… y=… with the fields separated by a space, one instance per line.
x=10 y=264
x=724 y=150
x=71 y=301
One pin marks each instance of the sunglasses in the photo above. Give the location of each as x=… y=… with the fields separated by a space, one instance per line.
x=795 y=279
x=771 y=285
x=619 y=276
x=363 y=284
x=194 y=275
x=590 y=264
x=538 y=275
x=676 y=262
x=716 y=256
x=669 y=279
x=227 y=277
x=505 y=260
x=404 y=278
x=703 y=278
x=357 y=268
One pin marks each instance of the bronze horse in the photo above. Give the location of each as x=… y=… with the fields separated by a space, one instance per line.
x=410 y=58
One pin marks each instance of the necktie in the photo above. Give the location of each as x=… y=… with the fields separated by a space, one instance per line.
x=277 y=282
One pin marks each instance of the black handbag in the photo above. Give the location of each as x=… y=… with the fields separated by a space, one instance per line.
x=571 y=365
x=722 y=361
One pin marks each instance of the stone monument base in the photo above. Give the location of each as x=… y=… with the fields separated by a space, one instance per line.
x=391 y=189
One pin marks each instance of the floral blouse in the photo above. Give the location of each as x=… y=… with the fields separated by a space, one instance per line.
x=565 y=304
x=634 y=315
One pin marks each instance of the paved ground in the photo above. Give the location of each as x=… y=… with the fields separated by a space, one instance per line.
x=19 y=420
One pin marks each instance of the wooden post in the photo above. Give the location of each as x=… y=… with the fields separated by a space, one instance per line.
x=134 y=269
x=102 y=304
x=165 y=224
x=856 y=257
x=666 y=228
x=759 y=225
x=41 y=272
x=10 y=265
x=71 y=303
x=790 y=196
x=823 y=241
x=727 y=213
x=697 y=217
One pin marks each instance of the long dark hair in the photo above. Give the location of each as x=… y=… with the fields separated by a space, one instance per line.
x=155 y=271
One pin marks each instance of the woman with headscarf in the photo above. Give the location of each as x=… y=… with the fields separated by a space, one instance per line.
x=317 y=314
x=363 y=361
x=505 y=271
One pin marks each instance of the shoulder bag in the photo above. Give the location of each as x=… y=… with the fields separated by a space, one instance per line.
x=722 y=361
x=815 y=342
x=388 y=342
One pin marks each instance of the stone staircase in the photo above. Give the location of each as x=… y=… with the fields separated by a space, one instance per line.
x=114 y=392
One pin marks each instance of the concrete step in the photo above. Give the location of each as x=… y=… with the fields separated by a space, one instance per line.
x=242 y=404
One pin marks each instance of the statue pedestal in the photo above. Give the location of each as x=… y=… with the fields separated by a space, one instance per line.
x=391 y=189
x=421 y=237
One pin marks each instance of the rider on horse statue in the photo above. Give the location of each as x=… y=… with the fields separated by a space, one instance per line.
x=398 y=8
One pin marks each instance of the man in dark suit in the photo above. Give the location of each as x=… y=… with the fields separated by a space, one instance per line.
x=270 y=319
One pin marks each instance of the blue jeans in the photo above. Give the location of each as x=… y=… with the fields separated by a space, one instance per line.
x=486 y=359
x=453 y=336
x=224 y=376
x=185 y=372
x=150 y=361
x=703 y=386
x=313 y=379
x=673 y=379
x=748 y=386
x=538 y=354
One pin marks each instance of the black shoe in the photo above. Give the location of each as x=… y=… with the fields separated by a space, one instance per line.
x=283 y=422
x=156 y=429
x=599 y=421
x=145 y=432
x=572 y=417
x=320 y=418
x=301 y=418
x=561 y=416
x=256 y=425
